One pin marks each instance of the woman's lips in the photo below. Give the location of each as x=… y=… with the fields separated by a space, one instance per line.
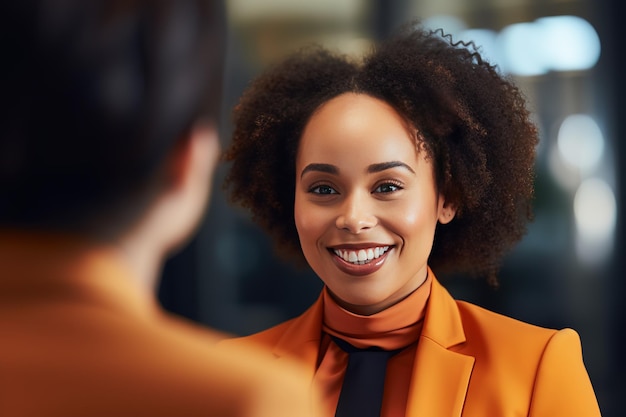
x=361 y=262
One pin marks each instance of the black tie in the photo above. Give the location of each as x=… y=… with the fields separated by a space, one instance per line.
x=364 y=382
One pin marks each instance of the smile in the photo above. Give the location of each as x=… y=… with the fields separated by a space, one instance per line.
x=361 y=256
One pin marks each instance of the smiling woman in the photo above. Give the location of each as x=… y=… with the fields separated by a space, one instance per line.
x=382 y=200
x=380 y=173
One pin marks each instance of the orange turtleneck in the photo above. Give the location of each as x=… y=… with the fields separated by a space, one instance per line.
x=396 y=327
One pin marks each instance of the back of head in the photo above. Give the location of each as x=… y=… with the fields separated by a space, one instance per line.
x=94 y=95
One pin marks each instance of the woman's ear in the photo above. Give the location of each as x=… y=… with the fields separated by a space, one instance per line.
x=447 y=211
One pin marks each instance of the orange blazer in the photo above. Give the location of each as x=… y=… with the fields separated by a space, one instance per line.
x=469 y=362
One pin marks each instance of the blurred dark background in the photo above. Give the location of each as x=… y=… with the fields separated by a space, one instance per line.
x=567 y=57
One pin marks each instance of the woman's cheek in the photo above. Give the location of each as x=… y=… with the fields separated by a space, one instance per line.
x=404 y=216
x=309 y=223
x=306 y=220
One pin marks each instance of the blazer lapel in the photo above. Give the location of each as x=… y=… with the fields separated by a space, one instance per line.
x=440 y=376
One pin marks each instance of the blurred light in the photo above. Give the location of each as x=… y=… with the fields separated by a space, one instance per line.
x=563 y=173
x=570 y=43
x=556 y=43
x=347 y=43
x=595 y=213
x=486 y=43
x=521 y=46
x=580 y=142
x=451 y=25
x=344 y=10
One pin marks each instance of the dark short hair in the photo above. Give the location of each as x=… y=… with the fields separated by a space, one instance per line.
x=470 y=120
x=94 y=95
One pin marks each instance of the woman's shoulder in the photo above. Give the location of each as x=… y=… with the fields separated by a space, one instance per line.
x=488 y=330
x=510 y=354
x=477 y=317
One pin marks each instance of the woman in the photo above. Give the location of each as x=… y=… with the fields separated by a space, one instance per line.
x=419 y=158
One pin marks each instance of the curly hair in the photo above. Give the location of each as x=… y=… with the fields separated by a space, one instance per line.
x=471 y=121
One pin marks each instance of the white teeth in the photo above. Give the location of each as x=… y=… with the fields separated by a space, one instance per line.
x=363 y=256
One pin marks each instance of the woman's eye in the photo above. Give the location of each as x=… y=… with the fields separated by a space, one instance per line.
x=387 y=188
x=323 y=189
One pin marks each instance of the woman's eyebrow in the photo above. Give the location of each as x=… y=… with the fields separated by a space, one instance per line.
x=387 y=165
x=327 y=168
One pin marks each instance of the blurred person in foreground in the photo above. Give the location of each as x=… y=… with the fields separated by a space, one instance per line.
x=108 y=144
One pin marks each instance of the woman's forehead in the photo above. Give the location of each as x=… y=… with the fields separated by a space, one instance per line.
x=351 y=122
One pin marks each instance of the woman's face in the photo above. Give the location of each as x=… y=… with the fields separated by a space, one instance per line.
x=366 y=203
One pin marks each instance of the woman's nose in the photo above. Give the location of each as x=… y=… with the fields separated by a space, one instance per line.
x=356 y=215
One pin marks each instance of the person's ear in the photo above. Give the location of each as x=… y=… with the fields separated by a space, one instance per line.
x=196 y=153
x=447 y=212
